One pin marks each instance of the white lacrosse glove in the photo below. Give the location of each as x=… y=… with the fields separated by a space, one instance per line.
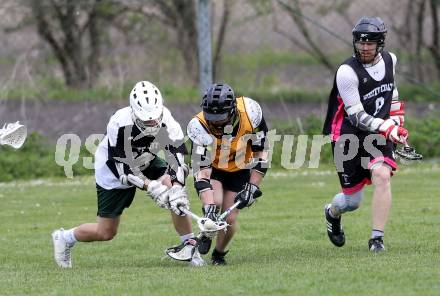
x=159 y=193
x=132 y=180
x=177 y=197
x=181 y=173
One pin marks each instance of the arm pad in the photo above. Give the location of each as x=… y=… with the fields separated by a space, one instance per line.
x=261 y=166
x=362 y=120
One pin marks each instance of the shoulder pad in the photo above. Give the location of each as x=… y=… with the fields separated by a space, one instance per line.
x=254 y=112
x=198 y=134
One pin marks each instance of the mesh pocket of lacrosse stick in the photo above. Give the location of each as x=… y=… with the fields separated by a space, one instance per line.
x=210 y=228
x=408 y=153
x=14 y=134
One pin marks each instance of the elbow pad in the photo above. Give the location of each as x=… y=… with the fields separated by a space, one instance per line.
x=362 y=120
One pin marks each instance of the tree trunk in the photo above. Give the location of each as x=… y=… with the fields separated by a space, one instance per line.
x=220 y=39
x=419 y=40
x=58 y=24
x=434 y=48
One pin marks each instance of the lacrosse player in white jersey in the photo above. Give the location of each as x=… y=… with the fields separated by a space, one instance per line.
x=126 y=159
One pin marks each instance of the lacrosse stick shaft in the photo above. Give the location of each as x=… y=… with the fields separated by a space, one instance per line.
x=228 y=211
x=189 y=213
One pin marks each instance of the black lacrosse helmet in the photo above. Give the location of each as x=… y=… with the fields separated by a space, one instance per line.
x=219 y=103
x=369 y=29
x=219 y=107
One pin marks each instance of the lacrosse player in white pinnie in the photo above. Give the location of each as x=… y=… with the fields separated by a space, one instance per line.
x=127 y=159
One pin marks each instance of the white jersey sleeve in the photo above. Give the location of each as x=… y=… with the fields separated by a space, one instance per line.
x=104 y=176
x=348 y=83
x=174 y=129
x=395 y=91
x=253 y=110
x=121 y=118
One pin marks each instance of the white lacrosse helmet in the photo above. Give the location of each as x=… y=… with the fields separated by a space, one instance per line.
x=147 y=107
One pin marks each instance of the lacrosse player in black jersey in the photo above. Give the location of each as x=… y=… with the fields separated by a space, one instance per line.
x=365 y=116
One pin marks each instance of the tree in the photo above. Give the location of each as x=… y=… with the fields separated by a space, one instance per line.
x=307 y=40
x=74 y=30
x=293 y=9
x=180 y=17
x=418 y=33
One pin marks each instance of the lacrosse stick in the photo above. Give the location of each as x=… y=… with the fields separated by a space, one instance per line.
x=207 y=227
x=408 y=153
x=13 y=134
x=228 y=211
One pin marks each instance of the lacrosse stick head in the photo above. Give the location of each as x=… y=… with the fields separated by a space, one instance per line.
x=13 y=134
x=210 y=228
x=408 y=153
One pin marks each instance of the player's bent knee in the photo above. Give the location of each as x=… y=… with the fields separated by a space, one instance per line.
x=347 y=202
x=107 y=236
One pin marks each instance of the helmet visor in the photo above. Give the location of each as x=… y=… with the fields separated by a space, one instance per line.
x=215 y=117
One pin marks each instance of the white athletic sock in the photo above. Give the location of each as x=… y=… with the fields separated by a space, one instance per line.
x=376 y=233
x=69 y=236
x=186 y=236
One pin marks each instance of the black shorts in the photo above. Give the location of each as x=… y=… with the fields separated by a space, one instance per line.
x=232 y=181
x=355 y=173
x=112 y=202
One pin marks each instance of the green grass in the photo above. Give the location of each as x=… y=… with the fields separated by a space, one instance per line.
x=281 y=247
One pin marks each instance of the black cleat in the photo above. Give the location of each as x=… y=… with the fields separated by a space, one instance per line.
x=218 y=258
x=376 y=245
x=334 y=228
x=204 y=244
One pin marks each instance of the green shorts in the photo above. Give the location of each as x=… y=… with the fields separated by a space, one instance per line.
x=112 y=202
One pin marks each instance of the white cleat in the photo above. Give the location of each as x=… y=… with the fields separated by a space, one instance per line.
x=186 y=251
x=61 y=249
x=197 y=259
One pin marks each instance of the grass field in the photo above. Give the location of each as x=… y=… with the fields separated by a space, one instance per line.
x=281 y=247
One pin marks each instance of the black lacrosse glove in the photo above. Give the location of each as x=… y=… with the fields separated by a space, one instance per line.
x=210 y=211
x=248 y=195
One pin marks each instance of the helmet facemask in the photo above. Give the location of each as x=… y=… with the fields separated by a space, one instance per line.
x=218 y=128
x=368 y=30
x=369 y=38
x=148 y=127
